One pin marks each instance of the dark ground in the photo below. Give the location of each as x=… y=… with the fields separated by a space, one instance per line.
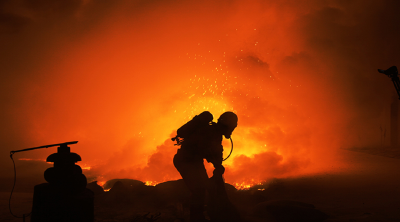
x=368 y=191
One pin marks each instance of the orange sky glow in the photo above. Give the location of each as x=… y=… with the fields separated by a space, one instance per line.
x=122 y=78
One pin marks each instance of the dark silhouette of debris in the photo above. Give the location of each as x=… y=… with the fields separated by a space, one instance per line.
x=288 y=211
x=146 y=218
x=95 y=188
x=65 y=196
x=169 y=201
x=128 y=182
x=172 y=192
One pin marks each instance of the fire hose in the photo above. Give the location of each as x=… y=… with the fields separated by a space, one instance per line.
x=12 y=190
x=231 y=149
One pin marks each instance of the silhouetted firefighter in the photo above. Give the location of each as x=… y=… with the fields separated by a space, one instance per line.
x=200 y=139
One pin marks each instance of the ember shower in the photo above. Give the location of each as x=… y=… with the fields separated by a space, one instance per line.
x=122 y=76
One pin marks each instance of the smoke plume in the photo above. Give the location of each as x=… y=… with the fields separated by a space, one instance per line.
x=121 y=76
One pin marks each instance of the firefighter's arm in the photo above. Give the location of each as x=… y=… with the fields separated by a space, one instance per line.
x=219 y=170
x=211 y=148
x=215 y=157
x=216 y=160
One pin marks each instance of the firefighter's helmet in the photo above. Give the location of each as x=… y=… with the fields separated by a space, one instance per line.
x=229 y=120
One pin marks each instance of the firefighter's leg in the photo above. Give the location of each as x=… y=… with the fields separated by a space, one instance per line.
x=195 y=176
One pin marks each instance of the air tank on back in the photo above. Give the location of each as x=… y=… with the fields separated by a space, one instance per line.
x=203 y=119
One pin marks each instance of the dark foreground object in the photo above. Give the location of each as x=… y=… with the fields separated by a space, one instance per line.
x=65 y=198
x=288 y=211
x=220 y=208
x=49 y=204
x=132 y=201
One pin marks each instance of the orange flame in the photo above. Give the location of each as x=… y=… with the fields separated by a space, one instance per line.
x=150 y=183
x=131 y=88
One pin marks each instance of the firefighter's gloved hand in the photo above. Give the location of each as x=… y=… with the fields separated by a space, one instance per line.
x=219 y=170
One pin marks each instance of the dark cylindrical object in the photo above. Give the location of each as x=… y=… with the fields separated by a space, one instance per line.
x=50 y=204
x=65 y=198
x=203 y=119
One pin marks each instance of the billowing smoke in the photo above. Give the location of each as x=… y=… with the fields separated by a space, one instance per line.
x=121 y=76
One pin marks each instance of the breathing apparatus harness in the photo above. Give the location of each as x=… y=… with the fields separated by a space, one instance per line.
x=231 y=150
x=202 y=120
x=179 y=141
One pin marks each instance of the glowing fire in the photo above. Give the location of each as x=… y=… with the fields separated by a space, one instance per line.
x=132 y=88
x=242 y=186
x=150 y=183
x=245 y=186
x=101 y=183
